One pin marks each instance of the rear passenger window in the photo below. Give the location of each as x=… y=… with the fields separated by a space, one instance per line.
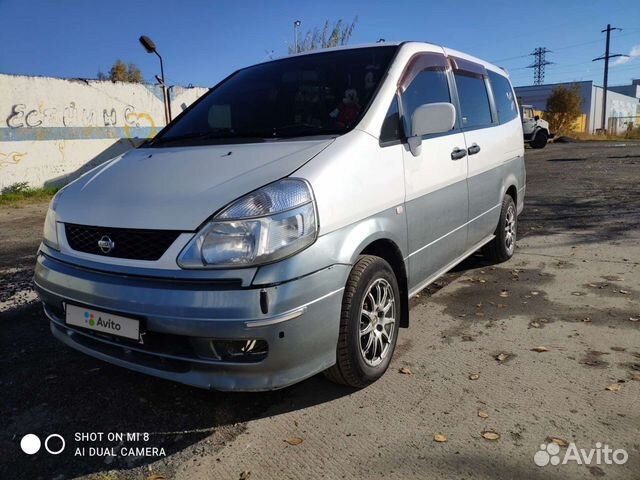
x=428 y=86
x=474 y=100
x=503 y=94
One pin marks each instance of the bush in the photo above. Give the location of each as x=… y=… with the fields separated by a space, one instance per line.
x=21 y=192
x=17 y=188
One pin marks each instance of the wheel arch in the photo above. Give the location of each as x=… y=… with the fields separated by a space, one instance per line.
x=512 y=191
x=388 y=250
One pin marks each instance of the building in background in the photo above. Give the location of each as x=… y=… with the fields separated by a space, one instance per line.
x=623 y=104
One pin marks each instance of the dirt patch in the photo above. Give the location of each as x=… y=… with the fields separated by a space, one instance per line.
x=594 y=359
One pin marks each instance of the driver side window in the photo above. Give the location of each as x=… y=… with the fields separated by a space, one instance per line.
x=428 y=85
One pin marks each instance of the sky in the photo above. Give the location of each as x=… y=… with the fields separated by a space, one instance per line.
x=204 y=41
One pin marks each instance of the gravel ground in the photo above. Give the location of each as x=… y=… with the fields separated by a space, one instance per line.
x=573 y=288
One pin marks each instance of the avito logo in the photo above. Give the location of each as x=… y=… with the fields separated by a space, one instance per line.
x=89 y=319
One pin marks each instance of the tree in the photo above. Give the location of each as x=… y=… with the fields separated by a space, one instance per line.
x=328 y=37
x=120 y=72
x=134 y=75
x=564 y=107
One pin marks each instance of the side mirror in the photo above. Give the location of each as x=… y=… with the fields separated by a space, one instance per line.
x=429 y=119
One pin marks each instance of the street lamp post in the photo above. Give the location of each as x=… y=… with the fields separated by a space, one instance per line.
x=150 y=47
x=296 y=26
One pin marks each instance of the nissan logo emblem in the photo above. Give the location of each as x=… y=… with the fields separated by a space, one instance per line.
x=106 y=244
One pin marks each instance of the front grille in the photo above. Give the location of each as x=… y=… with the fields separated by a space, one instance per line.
x=129 y=243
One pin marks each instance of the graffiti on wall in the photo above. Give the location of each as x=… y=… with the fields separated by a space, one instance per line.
x=11 y=158
x=23 y=116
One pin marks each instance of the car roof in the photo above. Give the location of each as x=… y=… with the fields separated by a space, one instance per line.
x=446 y=50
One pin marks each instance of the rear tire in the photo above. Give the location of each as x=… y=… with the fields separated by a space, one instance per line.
x=502 y=247
x=369 y=322
x=540 y=139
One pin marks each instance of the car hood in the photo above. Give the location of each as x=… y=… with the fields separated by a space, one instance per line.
x=178 y=188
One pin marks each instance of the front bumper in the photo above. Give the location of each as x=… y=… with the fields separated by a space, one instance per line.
x=181 y=317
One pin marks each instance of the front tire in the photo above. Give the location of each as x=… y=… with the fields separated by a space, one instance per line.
x=540 y=140
x=502 y=247
x=371 y=312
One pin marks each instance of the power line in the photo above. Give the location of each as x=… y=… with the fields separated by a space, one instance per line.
x=606 y=58
x=566 y=47
x=539 y=64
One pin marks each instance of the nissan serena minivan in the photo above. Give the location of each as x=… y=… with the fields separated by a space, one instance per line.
x=278 y=227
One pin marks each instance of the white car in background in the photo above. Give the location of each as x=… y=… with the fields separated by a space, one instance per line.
x=536 y=130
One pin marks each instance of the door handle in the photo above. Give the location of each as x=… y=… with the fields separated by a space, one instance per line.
x=458 y=153
x=473 y=149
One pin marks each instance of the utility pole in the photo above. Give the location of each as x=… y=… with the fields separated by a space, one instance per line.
x=538 y=64
x=606 y=58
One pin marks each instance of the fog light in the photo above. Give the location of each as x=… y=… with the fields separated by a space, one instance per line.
x=242 y=351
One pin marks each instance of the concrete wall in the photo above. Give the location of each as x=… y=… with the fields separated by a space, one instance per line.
x=52 y=130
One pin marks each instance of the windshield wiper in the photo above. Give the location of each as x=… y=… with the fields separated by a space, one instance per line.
x=218 y=133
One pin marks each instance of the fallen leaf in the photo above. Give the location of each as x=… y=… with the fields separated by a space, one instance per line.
x=474 y=376
x=540 y=349
x=614 y=387
x=586 y=320
x=245 y=475
x=613 y=278
x=534 y=293
x=634 y=319
x=504 y=293
x=483 y=414
x=577 y=294
x=534 y=324
x=561 y=442
x=490 y=435
x=438 y=437
x=501 y=357
x=405 y=371
x=294 y=441
x=624 y=292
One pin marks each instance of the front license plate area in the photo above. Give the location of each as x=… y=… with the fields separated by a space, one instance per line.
x=102 y=322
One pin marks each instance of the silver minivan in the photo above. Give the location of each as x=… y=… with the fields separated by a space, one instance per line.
x=278 y=227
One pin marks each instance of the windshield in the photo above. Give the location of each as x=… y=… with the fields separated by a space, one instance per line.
x=319 y=94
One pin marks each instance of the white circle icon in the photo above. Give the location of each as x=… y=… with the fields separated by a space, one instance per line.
x=46 y=444
x=30 y=444
x=541 y=458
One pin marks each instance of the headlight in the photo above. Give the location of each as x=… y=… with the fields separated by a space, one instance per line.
x=50 y=231
x=264 y=226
